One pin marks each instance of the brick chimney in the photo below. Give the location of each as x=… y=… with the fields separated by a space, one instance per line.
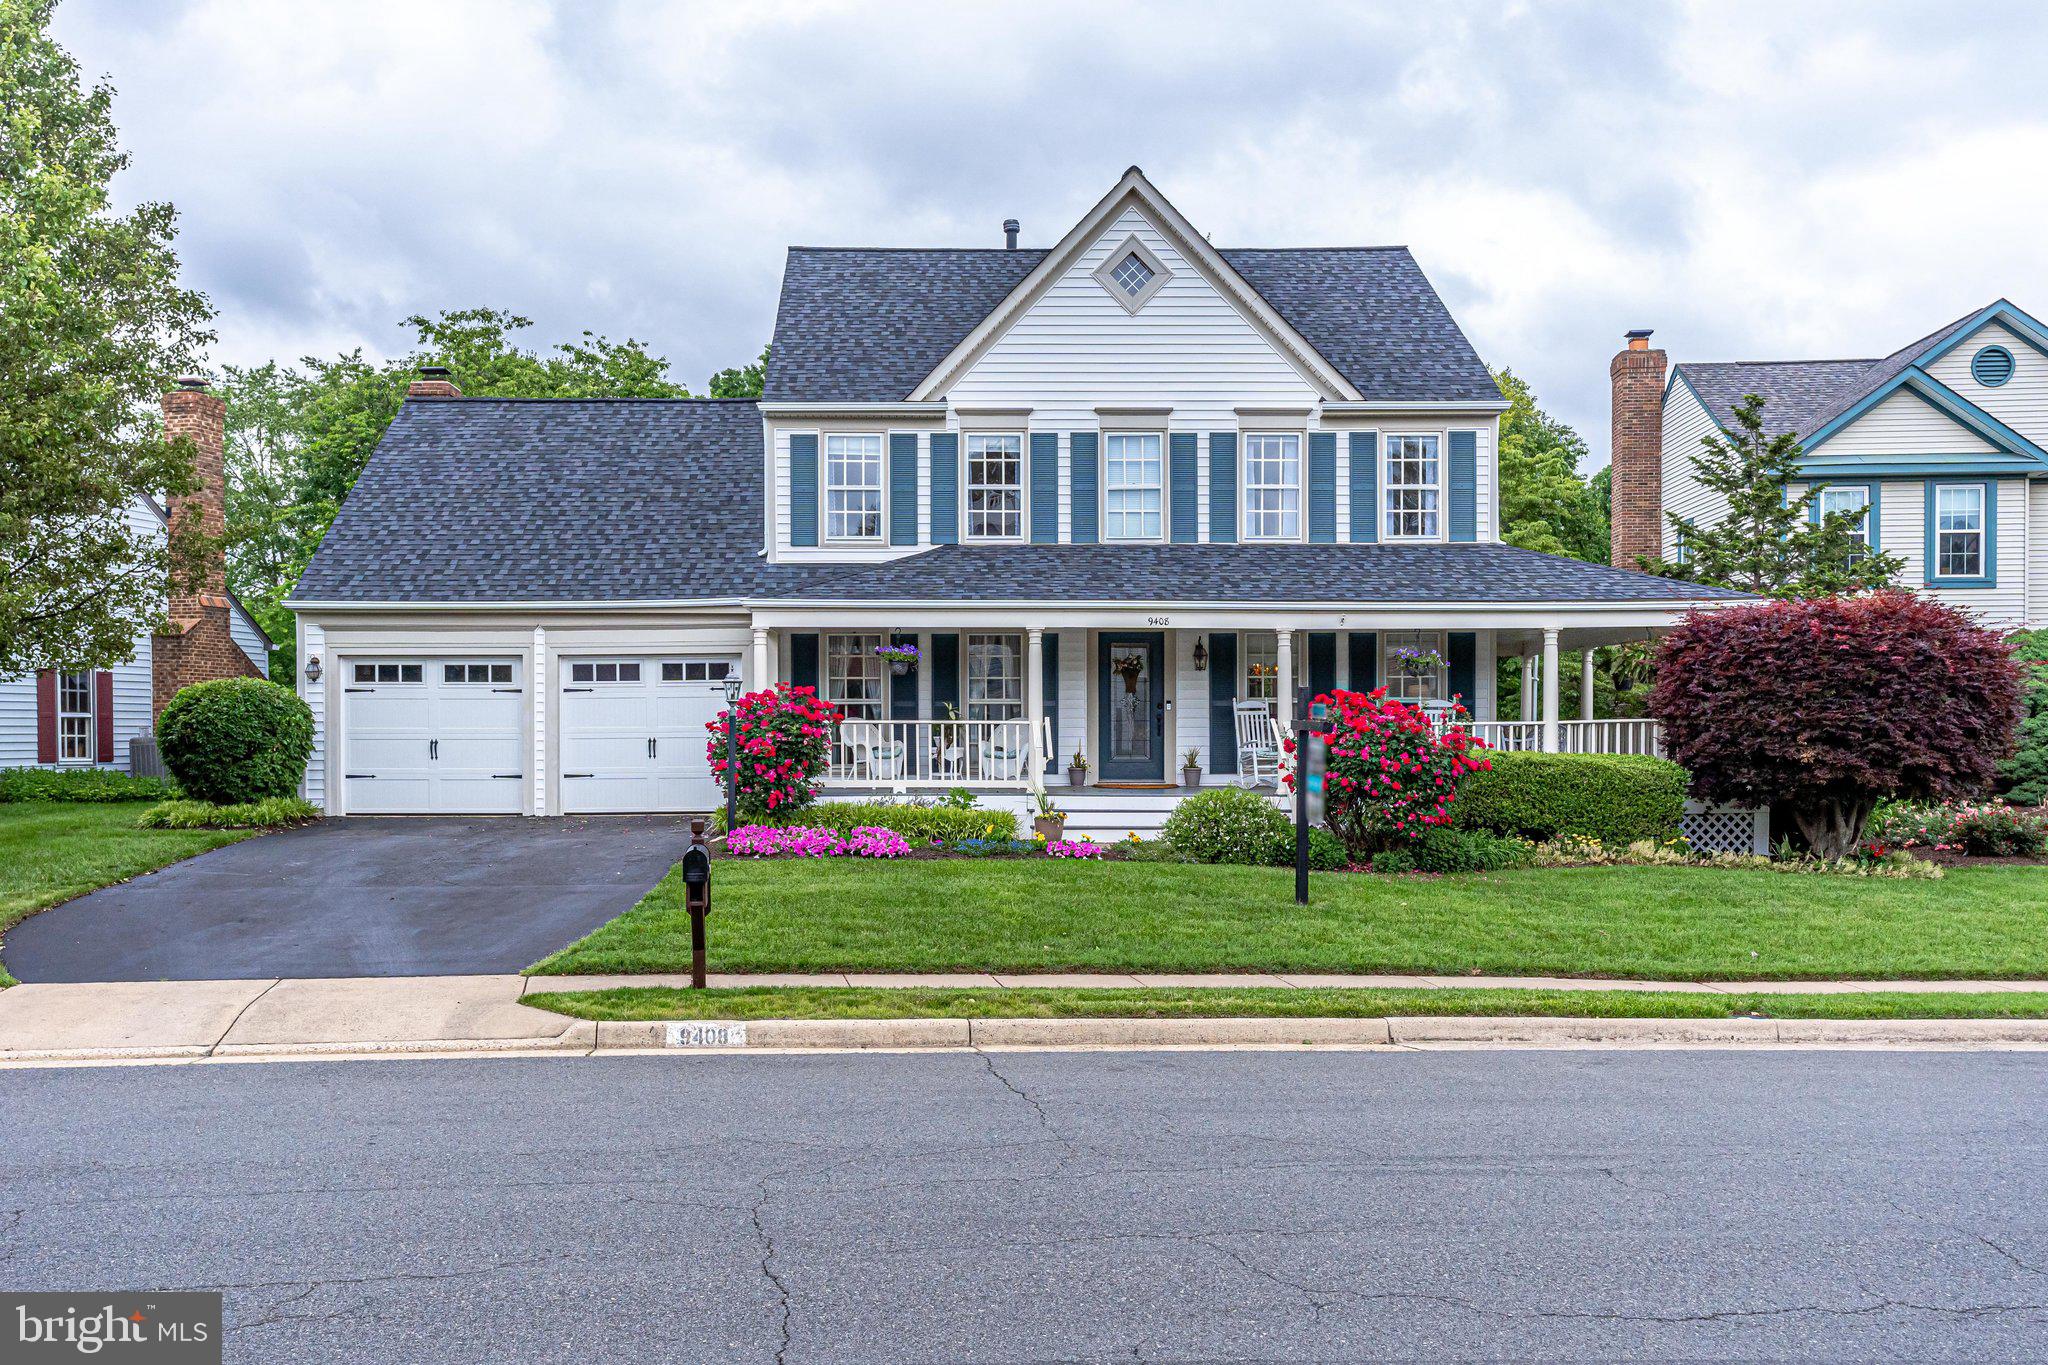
x=1637 y=523
x=434 y=382
x=195 y=644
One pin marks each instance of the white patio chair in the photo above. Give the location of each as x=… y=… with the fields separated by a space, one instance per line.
x=1002 y=760
x=1258 y=743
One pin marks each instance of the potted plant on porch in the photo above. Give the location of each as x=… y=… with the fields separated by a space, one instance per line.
x=1048 y=821
x=1191 y=768
x=901 y=656
x=1077 y=770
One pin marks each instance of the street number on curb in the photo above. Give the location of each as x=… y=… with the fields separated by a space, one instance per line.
x=707 y=1035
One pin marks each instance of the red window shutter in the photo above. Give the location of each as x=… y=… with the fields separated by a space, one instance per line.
x=103 y=717
x=46 y=716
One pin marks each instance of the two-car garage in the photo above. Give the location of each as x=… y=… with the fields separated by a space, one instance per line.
x=422 y=734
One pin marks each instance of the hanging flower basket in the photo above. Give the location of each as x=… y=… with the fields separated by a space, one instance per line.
x=900 y=658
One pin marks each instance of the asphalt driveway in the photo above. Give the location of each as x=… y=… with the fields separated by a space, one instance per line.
x=357 y=897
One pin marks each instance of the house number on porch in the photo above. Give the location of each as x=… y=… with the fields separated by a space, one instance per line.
x=1158 y=620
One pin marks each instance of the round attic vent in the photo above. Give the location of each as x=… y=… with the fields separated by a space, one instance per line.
x=1991 y=366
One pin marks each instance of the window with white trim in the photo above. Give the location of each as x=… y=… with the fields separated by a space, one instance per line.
x=390 y=673
x=853 y=487
x=1847 y=498
x=74 y=718
x=476 y=673
x=696 y=670
x=1262 y=668
x=1959 y=530
x=610 y=671
x=854 y=676
x=1133 y=484
x=1272 y=486
x=1413 y=487
x=1413 y=664
x=995 y=677
x=995 y=486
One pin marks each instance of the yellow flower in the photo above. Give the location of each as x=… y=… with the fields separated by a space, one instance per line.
x=1134 y=837
x=1040 y=836
x=1086 y=839
x=989 y=828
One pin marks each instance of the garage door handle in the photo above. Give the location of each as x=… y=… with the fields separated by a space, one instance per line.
x=650 y=748
x=359 y=689
x=514 y=690
x=434 y=748
x=579 y=774
x=360 y=777
x=577 y=689
x=514 y=776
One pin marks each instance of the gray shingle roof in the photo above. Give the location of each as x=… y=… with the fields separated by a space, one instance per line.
x=858 y=325
x=1802 y=396
x=485 y=499
x=1238 y=573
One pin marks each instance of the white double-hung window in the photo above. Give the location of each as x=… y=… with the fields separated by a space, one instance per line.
x=1414 y=488
x=1959 y=530
x=1847 y=498
x=995 y=677
x=1133 y=486
x=853 y=675
x=1272 y=486
x=74 y=718
x=853 y=487
x=995 y=486
x=1415 y=668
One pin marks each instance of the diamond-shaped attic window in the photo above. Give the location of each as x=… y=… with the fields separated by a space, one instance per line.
x=1132 y=275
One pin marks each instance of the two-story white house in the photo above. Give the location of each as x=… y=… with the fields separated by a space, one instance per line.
x=1941 y=445
x=1109 y=489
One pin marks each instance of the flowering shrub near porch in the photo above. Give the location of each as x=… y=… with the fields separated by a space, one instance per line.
x=1392 y=776
x=798 y=841
x=785 y=743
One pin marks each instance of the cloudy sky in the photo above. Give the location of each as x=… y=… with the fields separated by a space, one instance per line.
x=1761 y=181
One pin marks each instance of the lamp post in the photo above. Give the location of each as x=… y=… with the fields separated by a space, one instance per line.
x=732 y=750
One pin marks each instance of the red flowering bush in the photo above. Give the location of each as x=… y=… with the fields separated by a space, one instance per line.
x=785 y=742
x=1825 y=707
x=1391 y=775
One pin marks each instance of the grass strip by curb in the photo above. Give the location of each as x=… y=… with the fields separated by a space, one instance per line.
x=857 y=1002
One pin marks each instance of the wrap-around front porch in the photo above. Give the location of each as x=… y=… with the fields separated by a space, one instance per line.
x=991 y=701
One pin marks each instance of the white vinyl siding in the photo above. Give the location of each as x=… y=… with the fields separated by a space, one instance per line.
x=1686 y=424
x=250 y=640
x=1903 y=424
x=2021 y=402
x=2037 y=553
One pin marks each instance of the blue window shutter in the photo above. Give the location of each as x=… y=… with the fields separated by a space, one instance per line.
x=1223 y=491
x=1365 y=490
x=1464 y=670
x=1181 y=492
x=1050 y=681
x=803 y=661
x=1222 y=693
x=903 y=488
x=1364 y=649
x=945 y=661
x=945 y=488
x=1464 y=485
x=1045 y=488
x=803 y=489
x=1322 y=488
x=1086 y=476
x=903 y=690
x=1322 y=662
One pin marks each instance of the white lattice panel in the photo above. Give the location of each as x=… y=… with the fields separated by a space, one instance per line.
x=1726 y=829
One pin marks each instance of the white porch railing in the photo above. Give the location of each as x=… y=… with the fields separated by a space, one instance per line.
x=1573 y=736
x=933 y=753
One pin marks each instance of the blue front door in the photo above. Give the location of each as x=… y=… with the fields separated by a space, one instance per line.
x=1131 y=715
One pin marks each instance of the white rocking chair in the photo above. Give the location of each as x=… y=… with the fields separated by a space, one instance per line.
x=1258 y=743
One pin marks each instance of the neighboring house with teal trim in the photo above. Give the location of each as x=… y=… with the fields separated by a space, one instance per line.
x=1107 y=489
x=1943 y=443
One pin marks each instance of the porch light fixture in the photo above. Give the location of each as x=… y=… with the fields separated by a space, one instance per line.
x=1201 y=657
x=732 y=687
x=313 y=669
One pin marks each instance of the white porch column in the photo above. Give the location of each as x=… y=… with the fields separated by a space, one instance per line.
x=759 y=677
x=1034 y=704
x=1550 y=689
x=1286 y=680
x=1528 y=686
x=1586 y=683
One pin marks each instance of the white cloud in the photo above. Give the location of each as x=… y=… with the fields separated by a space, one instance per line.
x=1753 y=180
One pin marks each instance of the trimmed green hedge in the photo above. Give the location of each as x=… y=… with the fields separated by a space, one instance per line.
x=1615 y=798
x=919 y=824
x=80 y=784
x=236 y=740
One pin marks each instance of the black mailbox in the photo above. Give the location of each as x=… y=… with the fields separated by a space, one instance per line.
x=696 y=868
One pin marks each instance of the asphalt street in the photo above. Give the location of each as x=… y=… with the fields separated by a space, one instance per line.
x=1122 y=1206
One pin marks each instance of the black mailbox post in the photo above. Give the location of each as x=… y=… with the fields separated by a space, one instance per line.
x=697 y=897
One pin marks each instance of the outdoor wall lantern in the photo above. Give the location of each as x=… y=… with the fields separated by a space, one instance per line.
x=313 y=669
x=1201 y=657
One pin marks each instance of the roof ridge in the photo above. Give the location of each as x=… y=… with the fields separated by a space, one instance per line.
x=508 y=398
x=1846 y=360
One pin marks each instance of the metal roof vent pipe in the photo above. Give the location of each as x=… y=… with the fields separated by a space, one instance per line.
x=1010 y=229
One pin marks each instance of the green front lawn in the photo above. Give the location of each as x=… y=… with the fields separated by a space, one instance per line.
x=842 y=1002
x=1040 y=915
x=51 y=851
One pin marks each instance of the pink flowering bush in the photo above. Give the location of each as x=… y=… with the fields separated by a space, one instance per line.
x=799 y=841
x=785 y=743
x=1392 y=776
x=1072 y=848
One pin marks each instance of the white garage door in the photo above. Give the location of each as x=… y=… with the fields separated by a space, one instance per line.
x=434 y=736
x=633 y=732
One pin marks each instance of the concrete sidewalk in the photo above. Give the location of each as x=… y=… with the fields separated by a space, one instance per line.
x=192 y=1020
